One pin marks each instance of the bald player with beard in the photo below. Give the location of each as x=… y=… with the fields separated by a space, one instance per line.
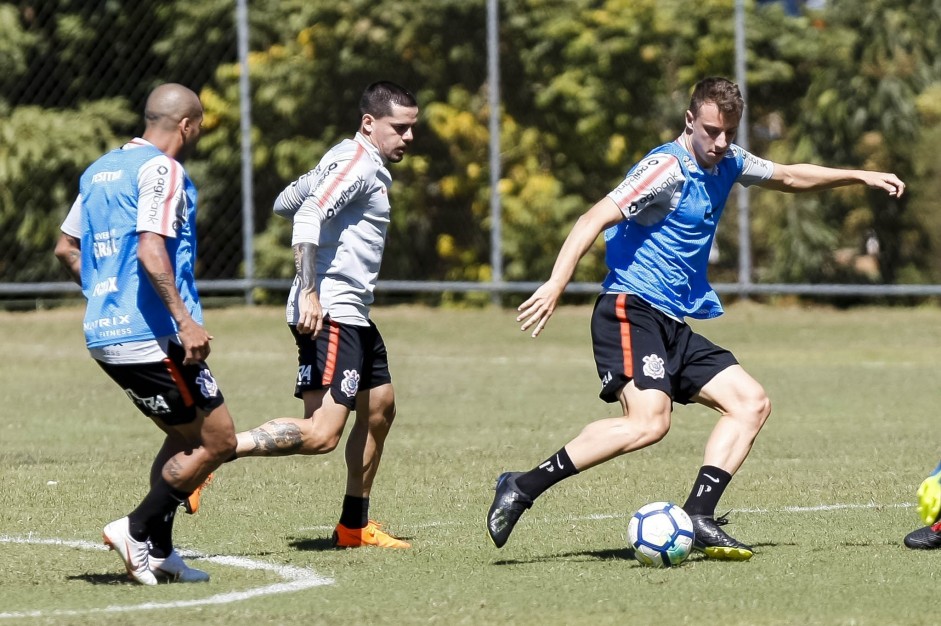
x=130 y=241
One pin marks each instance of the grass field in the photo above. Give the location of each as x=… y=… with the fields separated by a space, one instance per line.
x=826 y=496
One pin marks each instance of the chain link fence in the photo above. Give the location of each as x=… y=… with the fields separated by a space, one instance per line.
x=80 y=72
x=77 y=73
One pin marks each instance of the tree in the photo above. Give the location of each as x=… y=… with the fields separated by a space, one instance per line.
x=862 y=109
x=588 y=87
x=44 y=152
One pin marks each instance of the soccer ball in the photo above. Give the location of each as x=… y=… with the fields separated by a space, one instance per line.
x=660 y=534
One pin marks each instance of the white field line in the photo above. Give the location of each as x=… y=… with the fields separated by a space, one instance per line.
x=606 y=516
x=784 y=509
x=295 y=579
x=828 y=507
x=298 y=578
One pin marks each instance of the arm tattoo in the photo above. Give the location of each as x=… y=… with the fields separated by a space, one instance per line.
x=276 y=439
x=305 y=262
x=153 y=257
x=166 y=287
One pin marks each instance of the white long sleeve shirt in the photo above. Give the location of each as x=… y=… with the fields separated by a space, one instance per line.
x=341 y=206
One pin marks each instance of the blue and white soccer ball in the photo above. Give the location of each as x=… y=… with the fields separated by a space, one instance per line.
x=660 y=534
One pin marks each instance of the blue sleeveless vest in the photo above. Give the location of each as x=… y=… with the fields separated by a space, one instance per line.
x=122 y=305
x=666 y=263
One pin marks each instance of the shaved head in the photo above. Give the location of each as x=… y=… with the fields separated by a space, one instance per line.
x=174 y=118
x=170 y=103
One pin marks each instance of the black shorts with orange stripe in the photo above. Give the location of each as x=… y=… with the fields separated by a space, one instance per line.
x=167 y=390
x=343 y=358
x=634 y=341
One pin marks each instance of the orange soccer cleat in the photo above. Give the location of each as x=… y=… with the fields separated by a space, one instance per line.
x=191 y=504
x=372 y=535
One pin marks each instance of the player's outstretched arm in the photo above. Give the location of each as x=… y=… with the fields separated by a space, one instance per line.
x=808 y=177
x=537 y=310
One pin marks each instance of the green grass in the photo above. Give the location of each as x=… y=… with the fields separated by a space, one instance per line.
x=854 y=424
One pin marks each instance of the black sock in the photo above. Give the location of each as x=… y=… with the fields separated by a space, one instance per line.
x=555 y=469
x=355 y=513
x=709 y=486
x=161 y=535
x=159 y=501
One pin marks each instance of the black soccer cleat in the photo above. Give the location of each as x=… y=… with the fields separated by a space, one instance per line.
x=715 y=543
x=508 y=504
x=925 y=538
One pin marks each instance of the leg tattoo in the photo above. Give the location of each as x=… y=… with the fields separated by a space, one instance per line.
x=277 y=439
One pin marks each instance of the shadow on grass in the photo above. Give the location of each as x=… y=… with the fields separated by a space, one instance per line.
x=104 y=579
x=620 y=554
x=609 y=554
x=321 y=544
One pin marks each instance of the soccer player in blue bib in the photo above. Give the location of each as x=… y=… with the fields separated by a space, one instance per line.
x=659 y=225
x=130 y=242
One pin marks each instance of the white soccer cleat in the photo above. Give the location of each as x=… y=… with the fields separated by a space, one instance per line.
x=175 y=569
x=117 y=536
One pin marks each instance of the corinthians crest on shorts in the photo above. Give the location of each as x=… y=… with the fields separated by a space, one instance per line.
x=207 y=384
x=350 y=383
x=653 y=366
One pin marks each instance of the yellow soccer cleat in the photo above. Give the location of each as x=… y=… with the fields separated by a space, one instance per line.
x=929 y=499
x=372 y=535
x=715 y=543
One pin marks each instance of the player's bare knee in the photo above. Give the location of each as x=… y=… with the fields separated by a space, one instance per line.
x=380 y=423
x=221 y=448
x=319 y=442
x=657 y=428
x=377 y=414
x=653 y=428
x=756 y=409
x=329 y=444
x=765 y=411
x=228 y=446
